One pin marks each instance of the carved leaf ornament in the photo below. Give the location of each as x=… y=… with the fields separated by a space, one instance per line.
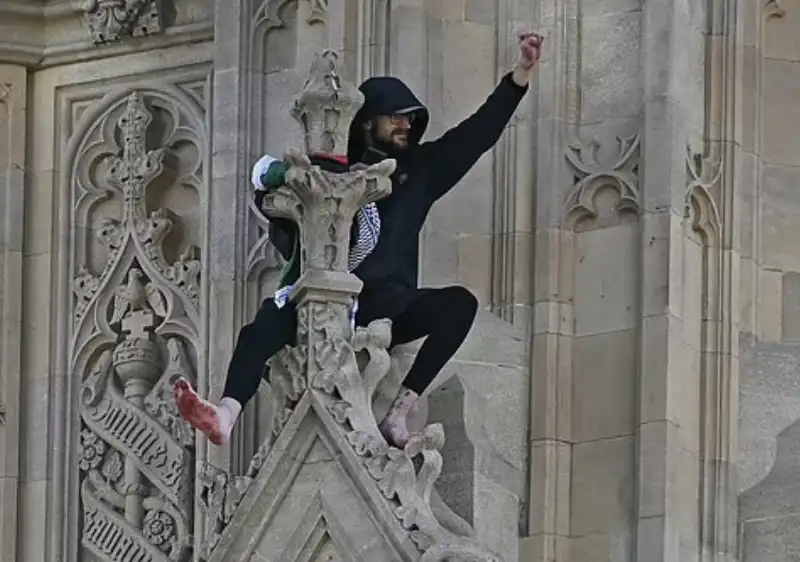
x=592 y=175
x=113 y=20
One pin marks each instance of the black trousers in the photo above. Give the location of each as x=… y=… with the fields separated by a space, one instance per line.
x=444 y=315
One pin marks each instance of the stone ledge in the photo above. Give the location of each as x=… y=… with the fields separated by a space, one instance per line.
x=41 y=36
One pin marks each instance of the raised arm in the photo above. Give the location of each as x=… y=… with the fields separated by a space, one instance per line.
x=457 y=151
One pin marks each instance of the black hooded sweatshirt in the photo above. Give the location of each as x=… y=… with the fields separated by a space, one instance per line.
x=425 y=172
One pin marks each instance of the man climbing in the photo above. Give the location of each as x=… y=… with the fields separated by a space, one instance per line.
x=391 y=124
x=275 y=324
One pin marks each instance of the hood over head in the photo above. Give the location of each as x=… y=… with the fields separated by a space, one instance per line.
x=385 y=95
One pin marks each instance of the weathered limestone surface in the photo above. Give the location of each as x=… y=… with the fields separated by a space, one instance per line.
x=13 y=129
x=629 y=391
x=770 y=398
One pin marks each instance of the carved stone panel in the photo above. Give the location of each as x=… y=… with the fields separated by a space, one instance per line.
x=137 y=178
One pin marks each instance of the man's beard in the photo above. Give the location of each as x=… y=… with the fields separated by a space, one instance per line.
x=396 y=142
x=400 y=139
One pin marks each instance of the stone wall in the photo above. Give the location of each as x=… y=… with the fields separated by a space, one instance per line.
x=13 y=119
x=628 y=393
x=770 y=399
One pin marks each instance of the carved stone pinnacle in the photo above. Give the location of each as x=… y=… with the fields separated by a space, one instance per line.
x=326 y=106
x=322 y=203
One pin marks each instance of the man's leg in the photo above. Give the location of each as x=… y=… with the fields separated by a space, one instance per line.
x=271 y=330
x=445 y=316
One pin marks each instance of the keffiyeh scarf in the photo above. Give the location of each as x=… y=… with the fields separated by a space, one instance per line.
x=368 y=222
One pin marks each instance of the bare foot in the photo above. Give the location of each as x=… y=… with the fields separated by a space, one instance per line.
x=393 y=427
x=201 y=414
x=395 y=432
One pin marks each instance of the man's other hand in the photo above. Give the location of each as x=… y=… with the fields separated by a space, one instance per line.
x=530 y=50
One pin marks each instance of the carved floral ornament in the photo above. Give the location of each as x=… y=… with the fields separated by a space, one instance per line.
x=348 y=373
x=333 y=373
x=113 y=20
x=774 y=9
x=620 y=173
x=135 y=329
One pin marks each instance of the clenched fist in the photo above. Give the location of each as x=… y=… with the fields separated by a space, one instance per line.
x=530 y=49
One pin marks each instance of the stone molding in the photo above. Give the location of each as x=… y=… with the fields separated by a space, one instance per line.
x=23 y=39
x=13 y=198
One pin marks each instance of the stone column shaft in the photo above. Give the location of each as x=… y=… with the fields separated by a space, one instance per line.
x=677 y=265
x=13 y=134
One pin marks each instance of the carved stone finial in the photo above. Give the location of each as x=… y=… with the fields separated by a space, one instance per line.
x=113 y=20
x=324 y=204
x=326 y=106
x=136 y=167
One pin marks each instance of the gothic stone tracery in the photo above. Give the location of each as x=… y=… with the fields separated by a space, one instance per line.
x=593 y=174
x=135 y=329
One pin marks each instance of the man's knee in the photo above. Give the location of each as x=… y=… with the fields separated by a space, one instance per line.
x=272 y=327
x=249 y=334
x=463 y=303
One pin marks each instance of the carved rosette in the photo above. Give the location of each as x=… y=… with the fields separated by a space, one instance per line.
x=113 y=20
x=135 y=329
